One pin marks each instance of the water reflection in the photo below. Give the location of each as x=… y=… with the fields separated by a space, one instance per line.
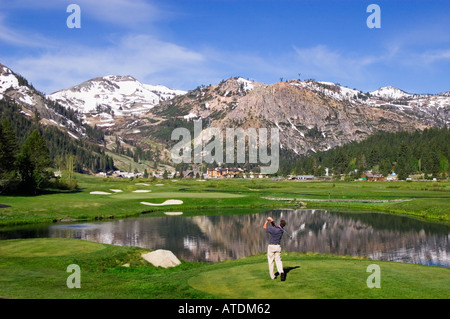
x=217 y=238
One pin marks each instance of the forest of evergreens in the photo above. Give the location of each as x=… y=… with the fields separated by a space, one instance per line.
x=420 y=152
x=28 y=150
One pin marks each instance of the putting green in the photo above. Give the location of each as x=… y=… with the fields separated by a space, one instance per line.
x=47 y=247
x=325 y=278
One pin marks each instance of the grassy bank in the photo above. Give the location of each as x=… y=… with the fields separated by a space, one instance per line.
x=426 y=200
x=37 y=268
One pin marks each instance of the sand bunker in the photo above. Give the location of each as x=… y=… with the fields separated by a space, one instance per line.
x=141 y=191
x=167 y=202
x=173 y=213
x=99 y=193
x=116 y=190
x=143 y=184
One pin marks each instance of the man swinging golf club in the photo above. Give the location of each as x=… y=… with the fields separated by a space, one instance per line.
x=274 y=248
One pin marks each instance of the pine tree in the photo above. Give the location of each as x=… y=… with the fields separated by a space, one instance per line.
x=444 y=167
x=340 y=162
x=33 y=161
x=374 y=158
x=435 y=162
x=8 y=149
x=404 y=165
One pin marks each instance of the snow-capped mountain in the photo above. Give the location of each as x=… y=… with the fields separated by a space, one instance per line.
x=381 y=96
x=62 y=129
x=310 y=115
x=115 y=95
x=390 y=93
x=401 y=98
x=31 y=102
x=7 y=80
x=434 y=109
x=10 y=81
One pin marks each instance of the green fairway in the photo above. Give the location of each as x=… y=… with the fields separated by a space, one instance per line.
x=46 y=247
x=37 y=268
x=324 y=277
x=197 y=195
x=425 y=200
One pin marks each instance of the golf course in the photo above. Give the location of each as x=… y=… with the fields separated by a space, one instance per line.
x=102 y=198
x=37 y=267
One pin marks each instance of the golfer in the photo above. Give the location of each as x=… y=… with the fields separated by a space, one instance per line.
x=274 y=248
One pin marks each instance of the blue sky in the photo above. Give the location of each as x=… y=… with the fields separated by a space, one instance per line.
x=186 y=43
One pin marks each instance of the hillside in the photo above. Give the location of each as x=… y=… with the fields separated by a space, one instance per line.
x=63 y=131
x=311 y=116
x=121 y=107
x=424 y=152
x=101 y=100
x=133 y=122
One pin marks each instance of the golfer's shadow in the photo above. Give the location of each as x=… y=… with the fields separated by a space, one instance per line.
x=286 y=270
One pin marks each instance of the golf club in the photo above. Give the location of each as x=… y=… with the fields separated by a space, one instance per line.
x=274 y=225
x=290 y=237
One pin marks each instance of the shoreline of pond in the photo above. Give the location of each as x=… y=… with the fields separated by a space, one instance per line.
x=391 y=225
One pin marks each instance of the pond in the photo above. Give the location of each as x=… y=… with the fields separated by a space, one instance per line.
x=221 y=237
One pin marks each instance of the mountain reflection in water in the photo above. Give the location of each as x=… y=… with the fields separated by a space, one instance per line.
x=216 y=238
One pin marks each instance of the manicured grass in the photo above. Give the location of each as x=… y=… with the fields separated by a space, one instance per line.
x=427 y=200
x=84 y=206
x=37 y=268
x=313 y=276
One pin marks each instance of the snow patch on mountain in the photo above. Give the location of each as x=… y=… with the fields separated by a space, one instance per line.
x=389 y=92
x=428 y=105
x=114 y=94
x=22 y=93
x=329 y=89
x=246 y=85
x=32 y=102
x=7 y=80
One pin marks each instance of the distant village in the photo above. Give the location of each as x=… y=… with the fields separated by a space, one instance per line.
x=224 y=173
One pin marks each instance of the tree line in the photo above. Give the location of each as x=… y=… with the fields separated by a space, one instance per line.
x=28 y=152
x=23 y=169
x=420 y=152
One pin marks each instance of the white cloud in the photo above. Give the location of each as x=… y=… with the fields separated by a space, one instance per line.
x=141 y=56
x=119 y=12
x=320 y=61
x=16 y=38
x=128 y=49
x=153 y=61
x=435 y=56
x=427 y=59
